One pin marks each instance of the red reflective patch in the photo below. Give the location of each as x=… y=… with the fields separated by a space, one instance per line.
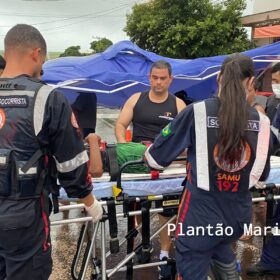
x=2 y=118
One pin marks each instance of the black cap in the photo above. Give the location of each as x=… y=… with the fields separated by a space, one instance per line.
x=2 y=62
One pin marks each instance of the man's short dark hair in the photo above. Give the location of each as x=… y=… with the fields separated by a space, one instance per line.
x=25 y=36
x=2 y=63
x=161 y=64
x=275 y=68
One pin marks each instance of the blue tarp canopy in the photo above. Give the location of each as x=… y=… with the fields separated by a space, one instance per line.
x=123 y=69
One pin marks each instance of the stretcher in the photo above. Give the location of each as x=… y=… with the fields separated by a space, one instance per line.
x=169 y=181
x=142 y=188
x=139 y=184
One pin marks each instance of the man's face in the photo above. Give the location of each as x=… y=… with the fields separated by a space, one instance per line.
x=276 y=77
x=160 y=80
x=276 y=84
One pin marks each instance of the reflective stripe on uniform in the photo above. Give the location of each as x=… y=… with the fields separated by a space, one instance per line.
x=30 y=171
x=72 y=164
x=151 y=161
x=202 y=162
x=39 y=107
x=3 y=160
x=262 y=150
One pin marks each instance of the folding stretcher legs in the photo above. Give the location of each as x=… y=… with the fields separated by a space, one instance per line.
x=128 y=265
x=100 y=270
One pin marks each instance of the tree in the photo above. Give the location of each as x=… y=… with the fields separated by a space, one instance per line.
x=188 y=28
x=100 y=45
x=72 y=51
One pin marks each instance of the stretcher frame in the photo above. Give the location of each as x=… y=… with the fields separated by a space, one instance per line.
x=100 y=270
x=172 y=204
x=99 y=273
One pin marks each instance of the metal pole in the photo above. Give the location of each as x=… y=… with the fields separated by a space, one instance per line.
x=257 y=199
x=90 y=250
x=139 y=266
x=124 y=239
x=86 y=219
x=79 y=251
x=69 y=221
x=103 y=251
x=130 y=256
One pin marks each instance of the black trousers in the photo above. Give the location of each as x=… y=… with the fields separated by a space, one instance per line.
x=25 y=247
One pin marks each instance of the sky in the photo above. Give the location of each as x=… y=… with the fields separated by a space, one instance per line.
x=65 y=23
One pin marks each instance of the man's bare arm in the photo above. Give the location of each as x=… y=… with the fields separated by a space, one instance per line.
x=181 y=105
x=125 y=118
x=95 y=161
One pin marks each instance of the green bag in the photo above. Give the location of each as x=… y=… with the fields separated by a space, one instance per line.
x=131 y=151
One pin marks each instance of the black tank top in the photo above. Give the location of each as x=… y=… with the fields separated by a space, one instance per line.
x=149 y=117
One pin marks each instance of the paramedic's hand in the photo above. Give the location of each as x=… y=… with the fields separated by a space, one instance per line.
x=95 y=210
x=276 y=119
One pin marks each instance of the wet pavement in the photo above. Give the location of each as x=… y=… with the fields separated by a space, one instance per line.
x=65 y=237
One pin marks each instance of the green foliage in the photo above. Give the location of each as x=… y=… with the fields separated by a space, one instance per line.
x=100 y=45
x=188 y=28
x=97 y=46
x=72 y=51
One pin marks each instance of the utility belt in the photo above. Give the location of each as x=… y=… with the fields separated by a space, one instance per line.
x=21 y=179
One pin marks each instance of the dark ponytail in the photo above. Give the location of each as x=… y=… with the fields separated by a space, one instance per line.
x=233 y=112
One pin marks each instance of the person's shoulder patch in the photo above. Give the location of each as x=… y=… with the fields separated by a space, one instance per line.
x=166 y=130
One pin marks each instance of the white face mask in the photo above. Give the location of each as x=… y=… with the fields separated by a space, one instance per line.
x=276 y=90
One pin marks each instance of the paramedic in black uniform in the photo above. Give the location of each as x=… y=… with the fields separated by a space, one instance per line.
x=149 y=112
x=227 y=142
x=34 y=120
